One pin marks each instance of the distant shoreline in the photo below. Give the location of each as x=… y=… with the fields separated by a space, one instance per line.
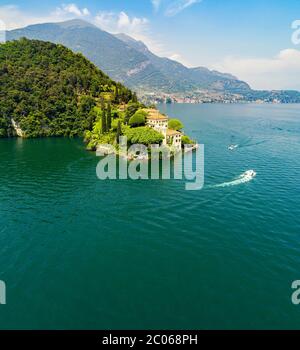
x=229 y=103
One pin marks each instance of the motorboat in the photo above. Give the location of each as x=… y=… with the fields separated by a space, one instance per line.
x=232 y=147
x=250 y=174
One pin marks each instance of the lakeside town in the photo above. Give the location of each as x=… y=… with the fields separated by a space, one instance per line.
x=207 y=97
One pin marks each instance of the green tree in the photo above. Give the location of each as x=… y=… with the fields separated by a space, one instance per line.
x=186 y=140
x=134 y=98
x=108 y=117
x=119 y=131
x=50 y=91
x=103 y=122
x=117 y=100
x=138 y=119
x=102 y=103
x=143 y=135
x=86 y=104
x=175 y=124
x=130 y=110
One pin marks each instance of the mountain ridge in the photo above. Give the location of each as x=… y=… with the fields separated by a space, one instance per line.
x=137 y=66
x=142 y=47
x=131 y=62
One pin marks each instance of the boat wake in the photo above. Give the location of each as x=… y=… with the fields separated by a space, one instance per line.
x=232 y=147
x=243 y=178
x=248 y=142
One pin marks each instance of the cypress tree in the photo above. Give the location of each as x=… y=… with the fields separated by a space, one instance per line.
x=117 y=94
x=119 y=131
x=102 y=104
x=103 y=120
x=108 y=117
x=134 y=98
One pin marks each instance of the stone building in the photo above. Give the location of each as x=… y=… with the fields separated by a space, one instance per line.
x=159 y=122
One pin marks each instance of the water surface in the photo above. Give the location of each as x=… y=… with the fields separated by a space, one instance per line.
x=77 y=252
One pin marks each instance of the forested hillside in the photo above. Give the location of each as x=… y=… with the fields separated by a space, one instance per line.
x=132 y=63
x=128 y=60
x=47 y=90
x=111 y=55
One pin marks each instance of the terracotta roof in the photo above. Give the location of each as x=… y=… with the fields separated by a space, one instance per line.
x=154 y=114
x=171 y=132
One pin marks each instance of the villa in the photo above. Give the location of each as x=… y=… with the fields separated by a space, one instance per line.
x=159 y=122
x=174 y=138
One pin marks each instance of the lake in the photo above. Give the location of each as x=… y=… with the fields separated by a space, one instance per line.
x=77 y=252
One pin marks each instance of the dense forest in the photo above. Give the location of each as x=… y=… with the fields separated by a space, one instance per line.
x=47 y=90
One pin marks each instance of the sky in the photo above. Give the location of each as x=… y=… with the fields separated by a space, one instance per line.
x=256 y=40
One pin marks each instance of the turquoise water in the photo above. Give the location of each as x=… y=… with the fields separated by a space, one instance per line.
x=77 y=252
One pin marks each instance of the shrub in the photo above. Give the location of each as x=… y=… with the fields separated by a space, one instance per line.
x=143 y=135
x=186 y=140
x=175 y=124
x=138 y=119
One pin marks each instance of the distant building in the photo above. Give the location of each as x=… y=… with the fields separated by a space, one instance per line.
x=174 y=138
x=159 y=122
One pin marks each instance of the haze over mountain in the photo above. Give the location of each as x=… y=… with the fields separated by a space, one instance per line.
x=117 y=59
x=182 y=78
x=132 y=63
x=126 y=59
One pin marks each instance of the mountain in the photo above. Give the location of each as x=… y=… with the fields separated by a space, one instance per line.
x=186 y=79
x=47 y=90
x=132 y=63
x=113 y=56
x=127 y=60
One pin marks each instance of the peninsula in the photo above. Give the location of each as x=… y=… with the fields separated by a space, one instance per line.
x=48 y=90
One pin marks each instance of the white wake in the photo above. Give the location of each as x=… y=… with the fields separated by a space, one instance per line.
x=243 y=178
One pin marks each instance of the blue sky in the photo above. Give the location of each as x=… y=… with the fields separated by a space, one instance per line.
x=249 y=38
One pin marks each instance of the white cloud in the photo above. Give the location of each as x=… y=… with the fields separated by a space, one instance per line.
x=279 y=72
x=137 y=27
x=72 y=9
x=132 y=25
x=156 y=4
x=121 y=22
x=14 y=17
x=177 y=57
x=179 y=5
